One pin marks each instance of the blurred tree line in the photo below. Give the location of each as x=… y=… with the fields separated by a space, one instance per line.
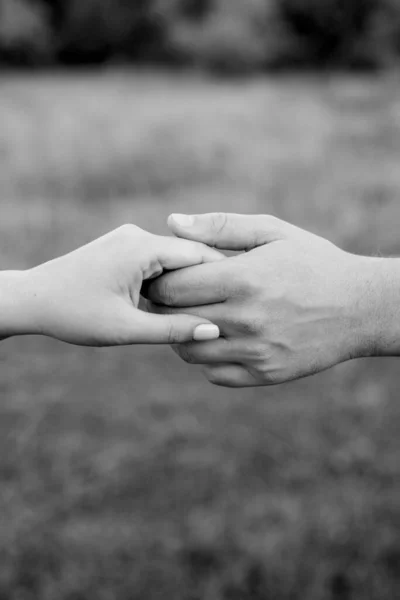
x=226 y=36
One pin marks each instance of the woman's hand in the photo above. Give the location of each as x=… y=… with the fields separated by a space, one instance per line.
x=91 y=296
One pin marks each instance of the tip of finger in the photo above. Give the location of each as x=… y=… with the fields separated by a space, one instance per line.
x=205 y=332
x=177 y=221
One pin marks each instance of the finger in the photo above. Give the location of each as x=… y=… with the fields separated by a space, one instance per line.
x=194 y=286
x=173 y=253
x=214 y=352
x=234 y=322
x=230 y=375
x=230 y=231
x=149 y=328
x=213 y=313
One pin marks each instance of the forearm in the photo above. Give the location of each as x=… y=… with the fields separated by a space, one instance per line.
x=16 y=316
x=380 y=307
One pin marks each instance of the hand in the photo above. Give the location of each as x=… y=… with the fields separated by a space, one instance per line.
x=91 y=296
x=291 y=306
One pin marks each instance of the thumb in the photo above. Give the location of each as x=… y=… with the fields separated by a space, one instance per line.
x=171 y=329
x=229 y=231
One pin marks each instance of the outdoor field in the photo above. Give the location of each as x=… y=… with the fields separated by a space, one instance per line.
x=124 y=474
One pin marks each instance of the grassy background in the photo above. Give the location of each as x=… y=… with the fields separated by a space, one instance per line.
x=124 y=475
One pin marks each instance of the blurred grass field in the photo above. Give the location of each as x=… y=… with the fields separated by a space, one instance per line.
x=124 y=474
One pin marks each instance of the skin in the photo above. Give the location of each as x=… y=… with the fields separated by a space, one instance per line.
x=91 y=296
x=290 y=305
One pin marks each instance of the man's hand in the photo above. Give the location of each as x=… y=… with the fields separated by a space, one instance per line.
x=91 y=296
x=293 y=305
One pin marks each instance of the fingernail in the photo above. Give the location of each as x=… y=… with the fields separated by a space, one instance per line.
x=183 y=220
x=204 y=333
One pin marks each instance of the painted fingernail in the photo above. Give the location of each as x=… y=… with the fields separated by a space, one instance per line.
x=204 y=333
x=183 y=220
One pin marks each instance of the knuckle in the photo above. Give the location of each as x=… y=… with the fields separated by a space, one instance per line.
x=173 y=334
x=166 y=293
x=263 y=364
x=129 y=235
x=250 y=283
x=244 y=277
x=128 y=229
x=274 y=226
x=271 y=379
x=222 y=289
x=236 y=279
x=219 y=221
x=256 y=353
x=248 y=323
x=271 y=221
x=234 y=282
x=186 y=355
x=262 y=367
x=252 y=325
x=269 y=376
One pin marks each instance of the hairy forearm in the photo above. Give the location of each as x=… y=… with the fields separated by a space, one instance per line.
x=381 y=300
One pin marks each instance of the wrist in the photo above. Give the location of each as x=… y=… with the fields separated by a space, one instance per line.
x=16 y=315
x=377 y=281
